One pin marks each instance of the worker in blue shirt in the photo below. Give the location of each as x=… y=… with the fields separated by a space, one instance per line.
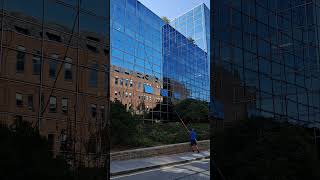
x=193 y=140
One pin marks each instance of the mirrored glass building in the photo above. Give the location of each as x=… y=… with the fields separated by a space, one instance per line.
x=136 y=56
x=266 y=60
x=184 y=67
x=149 y=59
x=54 y=74
x=195 y=24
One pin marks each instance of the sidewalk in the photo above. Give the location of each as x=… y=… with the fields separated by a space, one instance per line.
x=135 y=165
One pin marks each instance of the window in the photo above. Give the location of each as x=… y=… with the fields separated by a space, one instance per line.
x=92 y=48
x=139 y=85
x=30 y=102
x=64 y=105
x=36 y=65
x=130 y=94
x=19 y=100
x=115 y=93
x=51 y=141
x=21 y=57
x=93 y=38
x=131 y=83
x=53 y=104
x=93 y=80
x=116 y=79
x=102 y=113
x=127 y=80
x=148 y=89
x=68 y=69
x=22 y=30
x=121 y=82
x=93 y=110
x=126 y=94
x=53 y=37
x=65 y=17
x=53 y=66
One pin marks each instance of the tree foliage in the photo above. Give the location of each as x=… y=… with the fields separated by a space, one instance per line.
x=24 y=154
x=124 y=126
x=263 y=149
x=191 y=40
x=192 y=110
x=128 y=131
x=165 y=19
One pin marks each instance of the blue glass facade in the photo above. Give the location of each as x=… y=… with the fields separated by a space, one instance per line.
x=266 y=60
x=195 y=24
x=160 y=63
x=184 y=66
x=135 y=37
x=136 y=56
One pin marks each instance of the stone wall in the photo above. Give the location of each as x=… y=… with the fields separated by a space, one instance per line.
x=157 y=150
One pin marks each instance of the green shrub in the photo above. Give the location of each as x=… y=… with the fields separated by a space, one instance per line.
x=123 y=125
x=24 y=154
x=192 y=110
x=128 y=131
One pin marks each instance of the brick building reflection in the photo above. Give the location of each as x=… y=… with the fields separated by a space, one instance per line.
x=74 y=119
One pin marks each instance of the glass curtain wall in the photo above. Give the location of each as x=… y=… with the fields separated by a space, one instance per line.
x=184 y=68
x=136 y=58
x=266 y=60
x=54 y=73
x=195 y=24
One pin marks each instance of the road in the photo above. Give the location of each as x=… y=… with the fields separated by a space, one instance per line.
x=196 y=170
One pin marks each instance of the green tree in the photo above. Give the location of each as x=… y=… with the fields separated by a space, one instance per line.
x=263 y=149
x=191 y=40
x=24 y=154
x=192 y=110
x=123 y=125
x=165 y=19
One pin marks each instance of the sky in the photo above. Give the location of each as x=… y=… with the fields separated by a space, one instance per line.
x=172 y=8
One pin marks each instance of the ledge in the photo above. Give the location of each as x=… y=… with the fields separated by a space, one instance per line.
x=157 y=151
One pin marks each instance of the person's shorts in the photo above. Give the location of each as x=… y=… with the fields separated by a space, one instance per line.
x=193 y=142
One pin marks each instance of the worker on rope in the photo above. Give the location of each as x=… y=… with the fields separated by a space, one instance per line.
x=193 y=140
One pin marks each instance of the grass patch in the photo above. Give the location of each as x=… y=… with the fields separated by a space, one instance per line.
x=148 y=135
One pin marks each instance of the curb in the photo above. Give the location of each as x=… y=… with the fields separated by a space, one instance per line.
x=156 y=166
x=157 y=151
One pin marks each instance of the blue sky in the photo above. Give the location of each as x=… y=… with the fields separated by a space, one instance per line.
x=172 y=8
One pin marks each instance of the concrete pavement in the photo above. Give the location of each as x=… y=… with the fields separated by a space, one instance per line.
x=194 y=170
x=135 y=165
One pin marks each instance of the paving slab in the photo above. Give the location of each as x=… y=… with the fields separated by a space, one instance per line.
x=121 y=167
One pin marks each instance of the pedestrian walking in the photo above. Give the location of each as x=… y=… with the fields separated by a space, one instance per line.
x=193 y=140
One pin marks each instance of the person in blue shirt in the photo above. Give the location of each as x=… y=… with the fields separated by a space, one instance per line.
x=193 y=140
